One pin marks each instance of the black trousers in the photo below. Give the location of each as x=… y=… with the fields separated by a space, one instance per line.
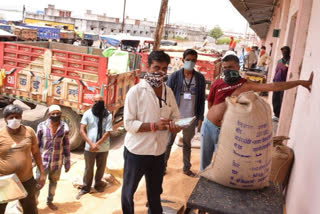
x=90 y=158
x=277 y=102
x=135 y=166
x=28 y=203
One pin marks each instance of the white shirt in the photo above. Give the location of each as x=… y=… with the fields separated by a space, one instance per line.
x=142 y=106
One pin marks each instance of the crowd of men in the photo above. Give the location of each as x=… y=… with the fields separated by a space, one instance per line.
x=150 y=111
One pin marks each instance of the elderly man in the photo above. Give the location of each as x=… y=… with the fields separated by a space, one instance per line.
x=18 y=144
x=54 y=147
x=96 y=125
x=232 y=84
x=149 y=111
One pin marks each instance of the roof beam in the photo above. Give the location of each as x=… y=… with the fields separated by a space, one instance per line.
x=259 y=22
x=256 y=3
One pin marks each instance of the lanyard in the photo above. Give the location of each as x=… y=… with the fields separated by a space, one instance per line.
x=165 y=97
x=188 y=85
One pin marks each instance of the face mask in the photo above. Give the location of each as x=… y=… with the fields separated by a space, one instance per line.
x=55 y=118
x=155 y=79
x=231 y=76
x=98 y=108
x=189 y=65
x=14 y=123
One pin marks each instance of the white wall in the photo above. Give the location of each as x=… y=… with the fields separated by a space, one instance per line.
x=304 y=187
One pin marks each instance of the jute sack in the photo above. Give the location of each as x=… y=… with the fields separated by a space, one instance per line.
x=282 y=159
x=243 y=157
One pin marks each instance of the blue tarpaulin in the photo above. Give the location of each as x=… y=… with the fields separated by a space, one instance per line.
x=110 y=41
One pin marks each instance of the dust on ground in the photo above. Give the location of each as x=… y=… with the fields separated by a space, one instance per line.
x=176 y=186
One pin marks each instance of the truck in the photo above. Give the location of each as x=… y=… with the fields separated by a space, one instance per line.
x=45 y=33
x=24 y=33
x=67 y=36
x=49 y=73
x=87 y=38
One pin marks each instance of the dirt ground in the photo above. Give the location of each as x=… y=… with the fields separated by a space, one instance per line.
x=176 y=186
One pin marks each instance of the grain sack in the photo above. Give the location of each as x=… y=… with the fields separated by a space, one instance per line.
x=243 y=157
x=282 y=158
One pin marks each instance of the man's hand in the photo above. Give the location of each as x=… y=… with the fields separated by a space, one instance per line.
x=94 y=147
x=42 y=180
x=162 y=124
x=173 y=128
x=307 y=84
x=67 y=169
x=199 y=125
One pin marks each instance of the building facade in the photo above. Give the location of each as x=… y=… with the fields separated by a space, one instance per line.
x=104 y=25
x=295 y=23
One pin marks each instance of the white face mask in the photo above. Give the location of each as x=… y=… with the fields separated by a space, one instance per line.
x=189 y=65
x=14 y=123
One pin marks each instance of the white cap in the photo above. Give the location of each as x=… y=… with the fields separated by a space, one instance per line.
x=229 y=53
x=54 y=108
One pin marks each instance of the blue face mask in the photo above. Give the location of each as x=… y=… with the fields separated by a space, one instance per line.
x=189 y=65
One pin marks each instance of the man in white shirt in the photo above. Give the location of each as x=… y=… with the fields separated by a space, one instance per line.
x=149 y=113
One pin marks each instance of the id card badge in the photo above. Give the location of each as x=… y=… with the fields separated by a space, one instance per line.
x=187 y=96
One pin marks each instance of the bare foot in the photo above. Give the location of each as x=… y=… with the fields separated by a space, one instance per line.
x=52 y=206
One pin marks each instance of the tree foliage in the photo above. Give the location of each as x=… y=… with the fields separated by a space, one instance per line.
x=216 y=32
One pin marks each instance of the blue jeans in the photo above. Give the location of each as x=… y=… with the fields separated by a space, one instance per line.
x=209 y=139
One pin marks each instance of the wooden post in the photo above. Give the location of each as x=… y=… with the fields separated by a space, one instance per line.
x=158 y=33
x=123 y=16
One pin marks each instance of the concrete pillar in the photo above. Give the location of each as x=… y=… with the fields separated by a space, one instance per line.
x=297 y=54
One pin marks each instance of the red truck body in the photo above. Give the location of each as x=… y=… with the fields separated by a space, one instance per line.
x=54 y=73
x=209 y=65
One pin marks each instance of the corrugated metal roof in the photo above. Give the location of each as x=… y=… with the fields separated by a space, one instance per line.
x=257 y=12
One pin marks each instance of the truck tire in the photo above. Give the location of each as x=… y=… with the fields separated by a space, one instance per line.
x=73 y=120
x=84 y=43
x=90 y=43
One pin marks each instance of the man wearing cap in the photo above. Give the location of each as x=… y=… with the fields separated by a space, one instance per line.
x=280 y=76
x=54 y=147
x=96 y=125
